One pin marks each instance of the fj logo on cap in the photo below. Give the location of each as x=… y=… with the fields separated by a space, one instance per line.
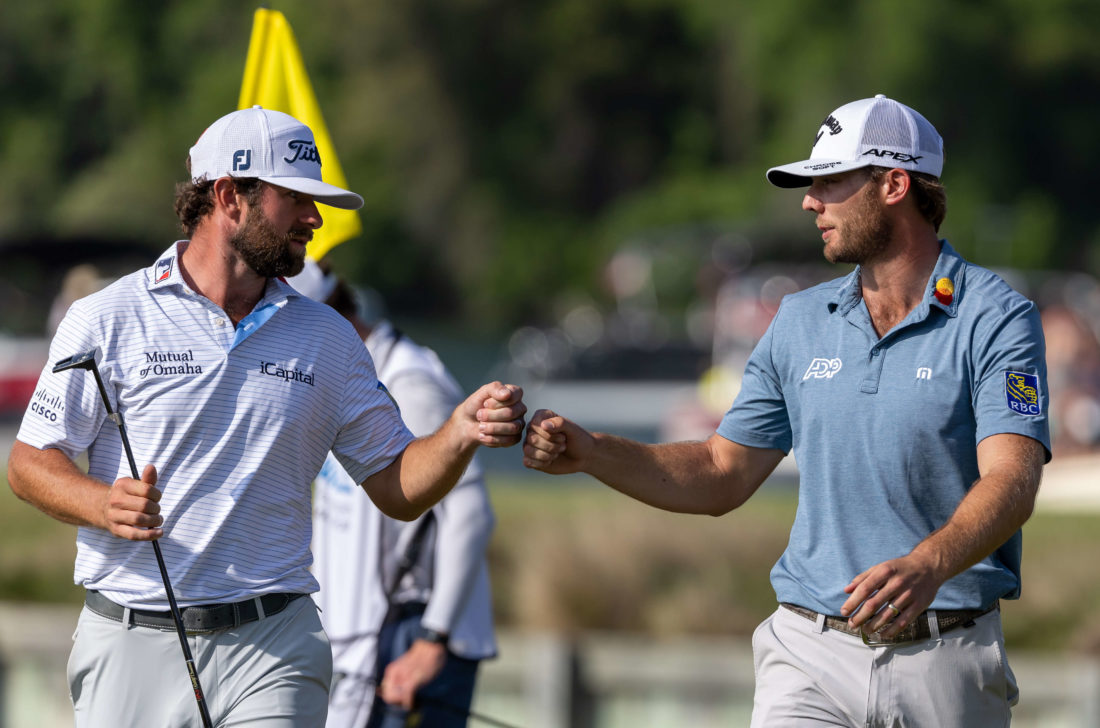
x=302 y=149
x=1022 y=393
x=242 y=160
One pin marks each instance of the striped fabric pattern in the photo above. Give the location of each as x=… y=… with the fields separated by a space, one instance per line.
x=237 y=420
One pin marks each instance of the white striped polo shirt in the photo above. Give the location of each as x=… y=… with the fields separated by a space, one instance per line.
x=237 y=420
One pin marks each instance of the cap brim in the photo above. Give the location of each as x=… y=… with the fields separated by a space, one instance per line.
x=801 y=174
x=322 y=192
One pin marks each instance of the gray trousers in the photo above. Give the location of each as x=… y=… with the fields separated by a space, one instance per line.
x=274 y=672
x=809 y=675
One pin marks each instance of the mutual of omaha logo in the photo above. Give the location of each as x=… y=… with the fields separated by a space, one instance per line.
x=164 y=269
x=822 y=369
x=169 y=364
x=278 y=371
x=1022 y=393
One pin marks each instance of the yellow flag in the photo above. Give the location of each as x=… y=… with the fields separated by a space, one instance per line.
x=275 y=78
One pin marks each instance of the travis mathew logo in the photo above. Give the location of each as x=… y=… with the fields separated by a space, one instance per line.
x=304 y=150
x=272 y=369
x=169 y=363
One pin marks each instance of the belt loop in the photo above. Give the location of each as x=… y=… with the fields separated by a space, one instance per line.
x=236 y=614
x=933 y=625
x=126 y=618
x=259 y=608
x=819 y=623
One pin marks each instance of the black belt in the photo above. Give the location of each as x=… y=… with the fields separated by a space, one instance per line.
x=947 y=619
x=197 y=619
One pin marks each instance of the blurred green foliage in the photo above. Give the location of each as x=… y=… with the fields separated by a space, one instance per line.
x=505 y=149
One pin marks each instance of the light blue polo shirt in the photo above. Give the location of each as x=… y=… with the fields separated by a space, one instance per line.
x=885 y=431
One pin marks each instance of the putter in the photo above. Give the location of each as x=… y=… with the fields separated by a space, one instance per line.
x=87 y=361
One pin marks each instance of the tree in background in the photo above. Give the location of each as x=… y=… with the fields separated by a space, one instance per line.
x=507 y=149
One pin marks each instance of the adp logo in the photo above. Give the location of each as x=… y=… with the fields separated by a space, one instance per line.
x=822 y=369
x=1022 y=393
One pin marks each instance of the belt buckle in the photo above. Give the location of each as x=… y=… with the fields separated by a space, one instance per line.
x=871 y=641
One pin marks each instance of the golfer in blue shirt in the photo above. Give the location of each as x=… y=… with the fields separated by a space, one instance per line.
x=913 y=394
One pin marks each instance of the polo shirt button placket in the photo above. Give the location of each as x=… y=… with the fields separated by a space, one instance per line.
x=869 y=385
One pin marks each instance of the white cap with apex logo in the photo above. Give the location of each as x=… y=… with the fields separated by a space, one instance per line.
x=270 y=146
x=879 y=132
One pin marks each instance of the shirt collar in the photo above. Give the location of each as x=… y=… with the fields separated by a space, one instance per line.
x=166 y=272
x=949 y=267
x=949 y=275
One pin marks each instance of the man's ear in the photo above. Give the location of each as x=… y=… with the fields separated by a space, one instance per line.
x=227 y=199
x=895 y=184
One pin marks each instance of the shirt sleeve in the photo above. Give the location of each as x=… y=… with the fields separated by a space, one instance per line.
x=66 y=410
x=373 y=434
x=1010 y=393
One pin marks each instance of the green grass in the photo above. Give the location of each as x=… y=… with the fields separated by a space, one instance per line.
x=570 y=554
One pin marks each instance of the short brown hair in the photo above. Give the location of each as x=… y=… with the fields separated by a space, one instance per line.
x=195 y=200
x=928 y=194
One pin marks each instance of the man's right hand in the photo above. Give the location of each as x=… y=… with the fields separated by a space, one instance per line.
x=132 y=510
x=556 y=445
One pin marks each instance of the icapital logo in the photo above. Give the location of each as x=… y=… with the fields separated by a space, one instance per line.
x=272 y=369
x=169 y=363
x=822 y=368
x=304 y=150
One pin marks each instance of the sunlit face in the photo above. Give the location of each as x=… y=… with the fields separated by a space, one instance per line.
x=261 y=240
x=850 y=215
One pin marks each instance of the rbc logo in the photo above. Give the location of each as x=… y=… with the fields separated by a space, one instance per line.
x=1022 y=393
x=822 y=368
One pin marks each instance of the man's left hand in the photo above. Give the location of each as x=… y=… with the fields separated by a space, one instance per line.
x=412 y=671
x=890 y=595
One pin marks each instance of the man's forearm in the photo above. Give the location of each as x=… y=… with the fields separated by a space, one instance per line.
x=427 y=469
x=52 y=483
x=709 y=477
x=997 y=506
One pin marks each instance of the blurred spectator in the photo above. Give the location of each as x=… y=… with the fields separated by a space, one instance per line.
x=1073 y=363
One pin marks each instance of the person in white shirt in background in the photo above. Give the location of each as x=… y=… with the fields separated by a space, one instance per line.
x=402 y=602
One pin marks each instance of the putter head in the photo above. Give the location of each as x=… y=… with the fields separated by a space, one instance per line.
x=84 y=360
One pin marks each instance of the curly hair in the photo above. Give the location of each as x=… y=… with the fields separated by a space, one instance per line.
x=195 y=200
x=928 y=193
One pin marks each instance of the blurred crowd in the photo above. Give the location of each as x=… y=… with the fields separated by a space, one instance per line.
x=636 y=340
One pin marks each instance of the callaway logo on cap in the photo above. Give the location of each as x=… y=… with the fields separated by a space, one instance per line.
x=878 y=131
x=268 y=145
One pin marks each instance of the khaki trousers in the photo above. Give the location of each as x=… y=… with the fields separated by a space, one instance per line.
x=271 y=673
x=809 y=675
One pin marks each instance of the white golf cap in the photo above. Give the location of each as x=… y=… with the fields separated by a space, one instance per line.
x=268 y=145
x=879 y=132
x=313 y=282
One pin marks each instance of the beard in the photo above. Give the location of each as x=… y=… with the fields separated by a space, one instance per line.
x=267 y=252
x=866 y=233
